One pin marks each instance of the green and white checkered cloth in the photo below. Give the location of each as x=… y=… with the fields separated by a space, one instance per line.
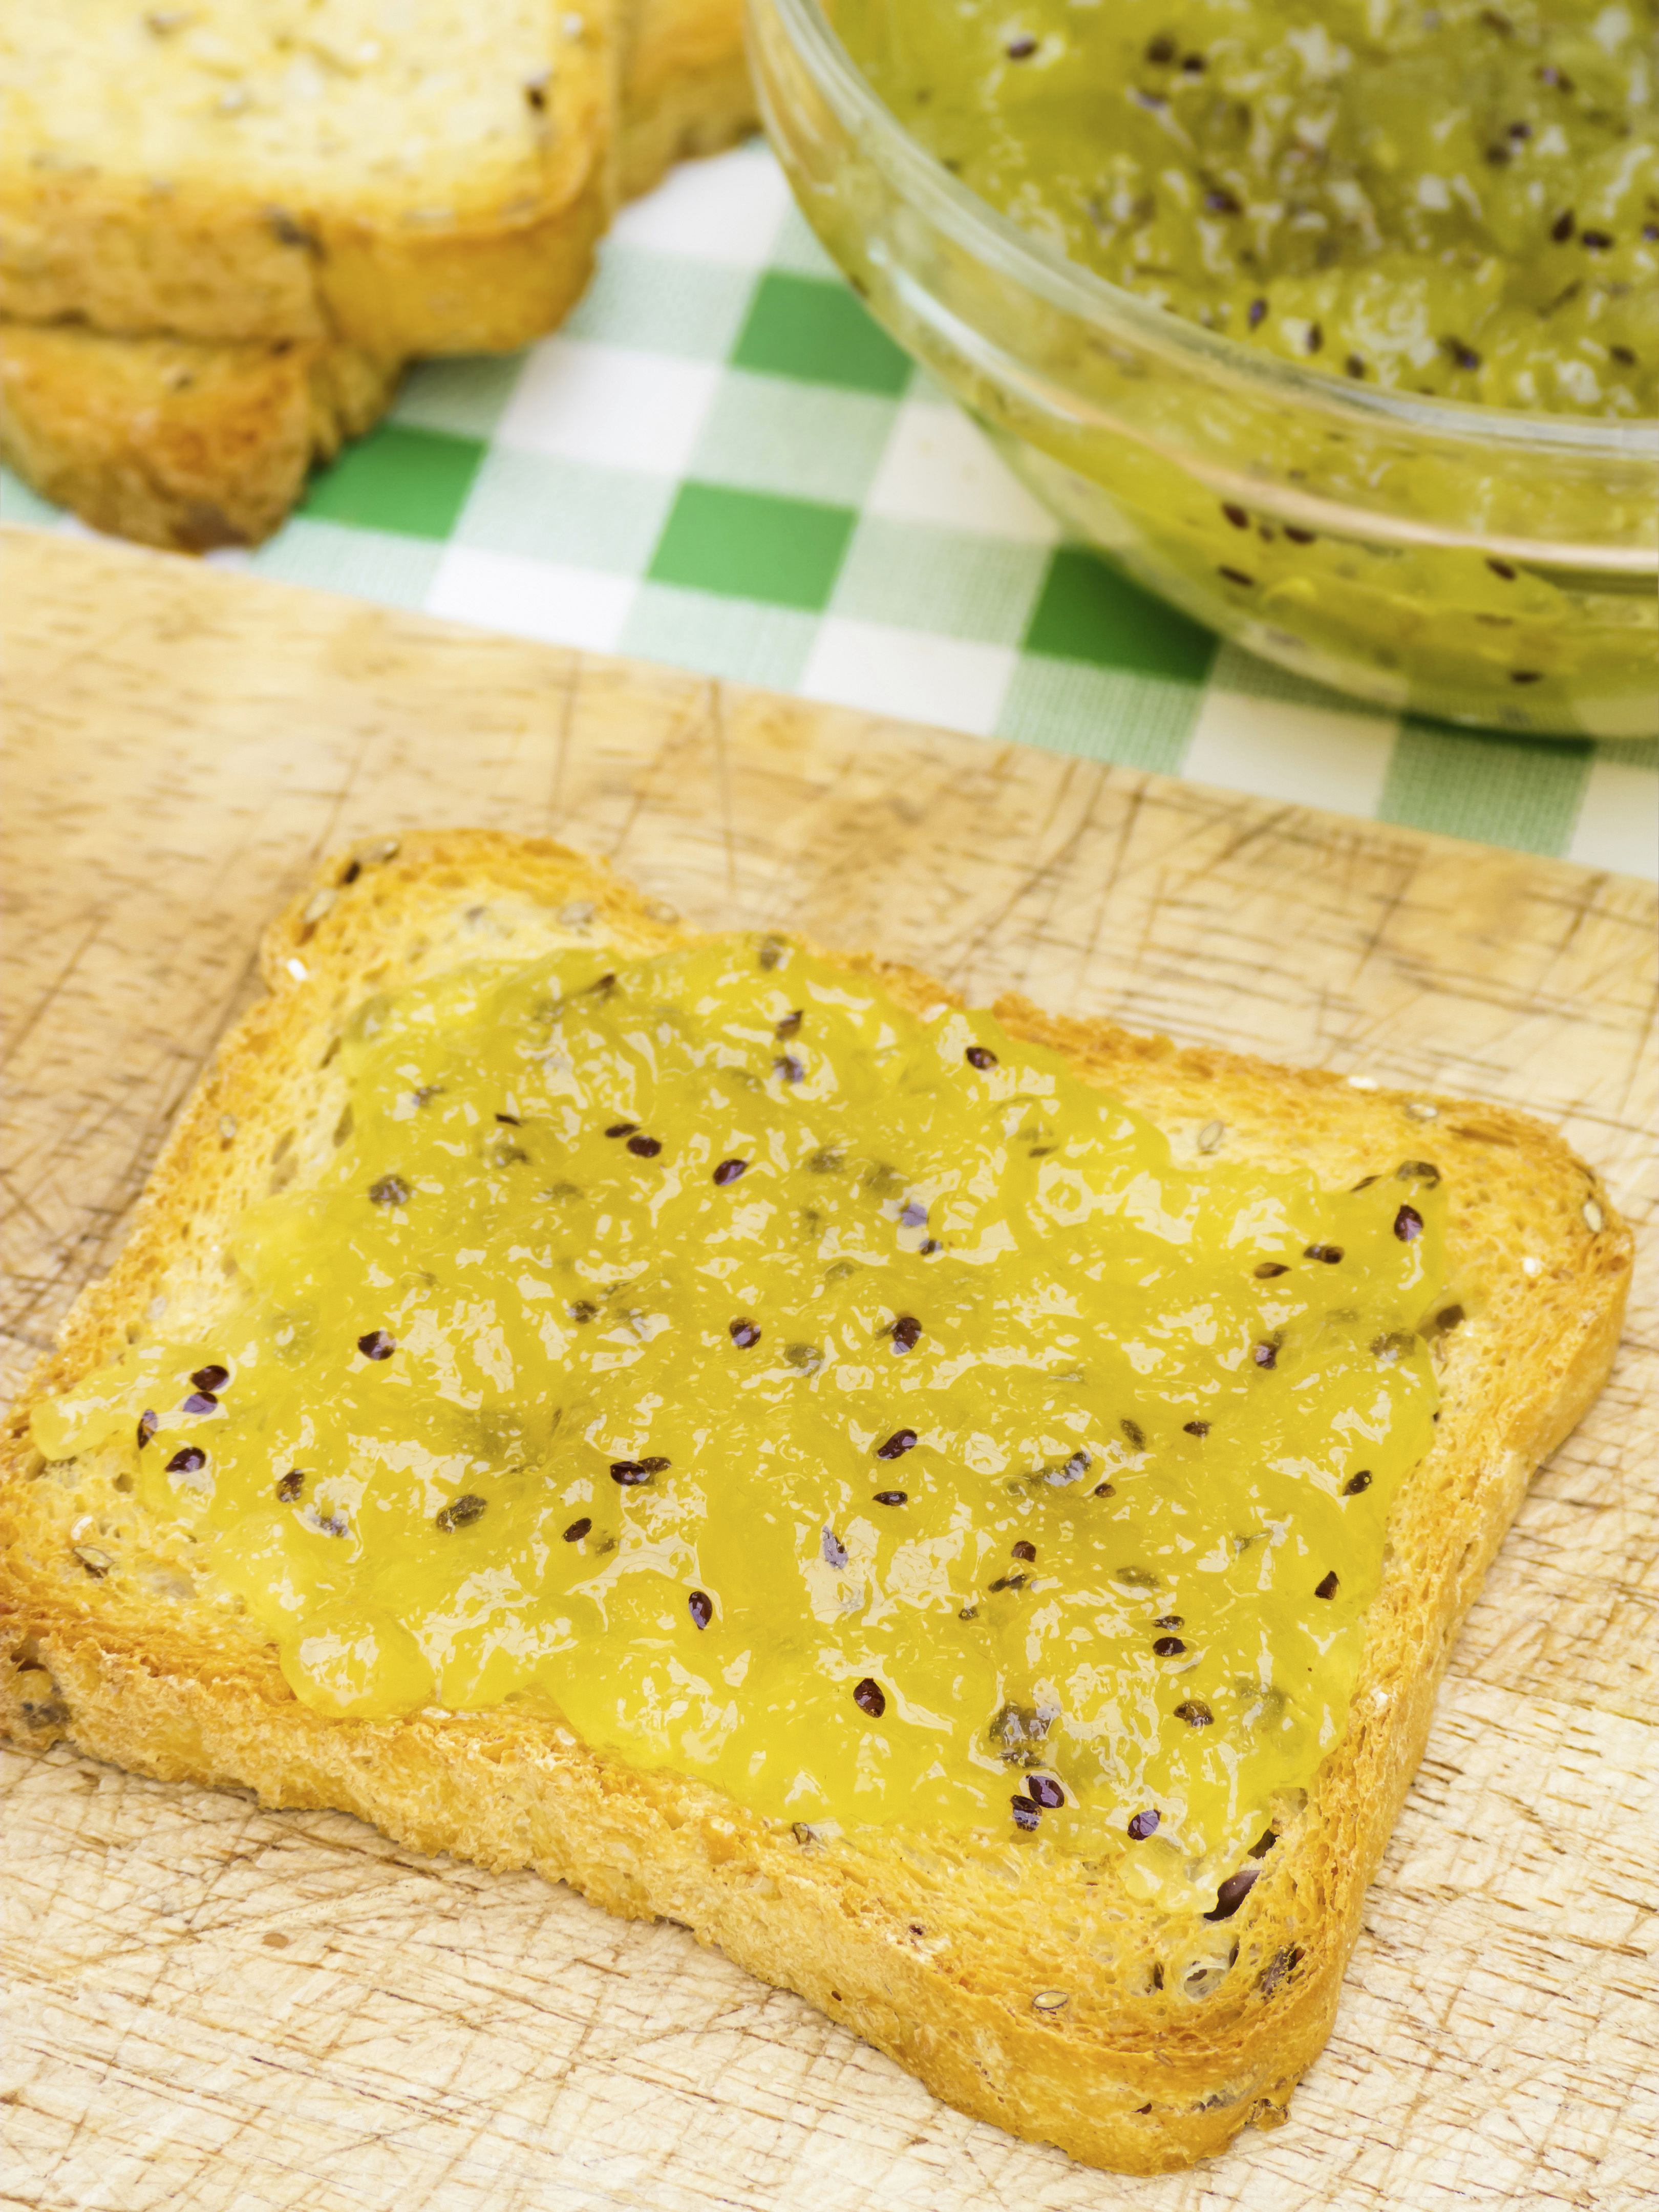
x=721 y=461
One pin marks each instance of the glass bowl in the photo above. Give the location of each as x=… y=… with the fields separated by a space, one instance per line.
x=1468 y=563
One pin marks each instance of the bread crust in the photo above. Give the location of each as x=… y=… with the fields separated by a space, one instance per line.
x=176 y=444
x=933 y=1949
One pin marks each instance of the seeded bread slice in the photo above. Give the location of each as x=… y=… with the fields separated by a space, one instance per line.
x=177 y=444
x=1026 y=1989
x=284 y=171
x=686 y=88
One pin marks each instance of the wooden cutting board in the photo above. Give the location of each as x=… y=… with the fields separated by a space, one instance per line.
x=238 y=2011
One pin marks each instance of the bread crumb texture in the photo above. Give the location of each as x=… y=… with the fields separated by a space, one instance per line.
x=1026 y=1990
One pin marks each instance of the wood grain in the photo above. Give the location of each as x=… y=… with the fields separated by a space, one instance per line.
x=218 y=2009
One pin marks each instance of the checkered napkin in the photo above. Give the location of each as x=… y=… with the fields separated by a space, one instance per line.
x=721 y=461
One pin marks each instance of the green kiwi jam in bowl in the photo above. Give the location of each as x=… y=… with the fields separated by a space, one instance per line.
x=1335 y=325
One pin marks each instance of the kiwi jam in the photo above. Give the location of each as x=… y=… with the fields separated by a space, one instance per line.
x=854 y=1410
x=1459 y=200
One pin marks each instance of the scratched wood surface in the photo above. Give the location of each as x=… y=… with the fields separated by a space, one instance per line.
x=212 y=2008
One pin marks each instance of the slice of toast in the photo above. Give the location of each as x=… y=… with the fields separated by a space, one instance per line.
x=1036 y=1994
x=174 y=443
x=686 y=88
x=192 y=443
x=218 y=172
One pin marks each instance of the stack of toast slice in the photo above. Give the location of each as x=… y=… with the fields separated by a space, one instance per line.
x=226 y=227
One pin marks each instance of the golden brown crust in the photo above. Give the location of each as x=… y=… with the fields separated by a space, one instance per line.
x=176 y=444
x=932 y=1949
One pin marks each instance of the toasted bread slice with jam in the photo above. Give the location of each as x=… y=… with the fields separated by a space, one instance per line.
x=1035 y=1993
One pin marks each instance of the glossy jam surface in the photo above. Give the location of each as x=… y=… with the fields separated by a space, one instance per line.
x=1459 y=200
x=855 y=1411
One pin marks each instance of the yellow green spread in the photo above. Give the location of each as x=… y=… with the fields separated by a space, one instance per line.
x=856 y=1411
x=1456 y=199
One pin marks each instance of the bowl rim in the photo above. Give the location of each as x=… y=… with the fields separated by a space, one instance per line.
x=1079 y=291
